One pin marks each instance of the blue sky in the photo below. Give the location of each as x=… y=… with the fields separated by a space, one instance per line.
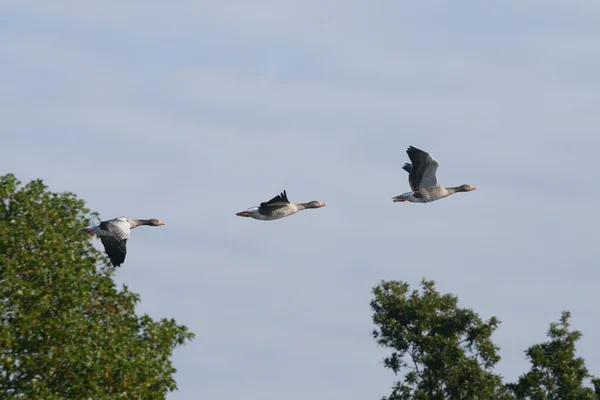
x=192 y=111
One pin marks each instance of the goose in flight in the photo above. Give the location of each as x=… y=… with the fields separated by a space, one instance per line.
x=115 y=233
x=422 y=179
x=278 y=207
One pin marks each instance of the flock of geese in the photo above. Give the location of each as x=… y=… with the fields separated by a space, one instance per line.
x=115 y=233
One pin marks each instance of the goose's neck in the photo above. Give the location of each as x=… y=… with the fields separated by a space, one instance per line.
x=311 y=204
x=455 y=189
x=138 y=222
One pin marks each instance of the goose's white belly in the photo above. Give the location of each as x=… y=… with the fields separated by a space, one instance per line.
x=277 y=214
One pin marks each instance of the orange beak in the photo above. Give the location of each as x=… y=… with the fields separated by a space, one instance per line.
x=323 y=204
x=161 y=223
x=244 y=214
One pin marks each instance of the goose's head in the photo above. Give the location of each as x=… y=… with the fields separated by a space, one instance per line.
x=315 y=204
x=466 y=188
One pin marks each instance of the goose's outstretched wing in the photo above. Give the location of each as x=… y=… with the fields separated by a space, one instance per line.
x=422 y=171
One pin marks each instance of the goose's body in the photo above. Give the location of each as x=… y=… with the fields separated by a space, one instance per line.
x=114 y=234
x=423 y=181
x=278 y=207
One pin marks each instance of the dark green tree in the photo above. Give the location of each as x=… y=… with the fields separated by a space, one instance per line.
x=556 y=373
x=441 y=350
x=66 y=331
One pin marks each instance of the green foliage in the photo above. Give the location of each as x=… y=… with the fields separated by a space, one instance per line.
x=65 y=330
x=556 y=373
x=444 y=351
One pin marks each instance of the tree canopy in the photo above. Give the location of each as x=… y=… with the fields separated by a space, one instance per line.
x=443 y=351
x=556 y=373
x=66 y=330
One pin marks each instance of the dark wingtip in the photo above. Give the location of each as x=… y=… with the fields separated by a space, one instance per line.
x=407 y=167
x=117 y=262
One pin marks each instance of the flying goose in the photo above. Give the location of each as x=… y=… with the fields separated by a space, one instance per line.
x=422 y=179
x=115 y=233
x=278 y=207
